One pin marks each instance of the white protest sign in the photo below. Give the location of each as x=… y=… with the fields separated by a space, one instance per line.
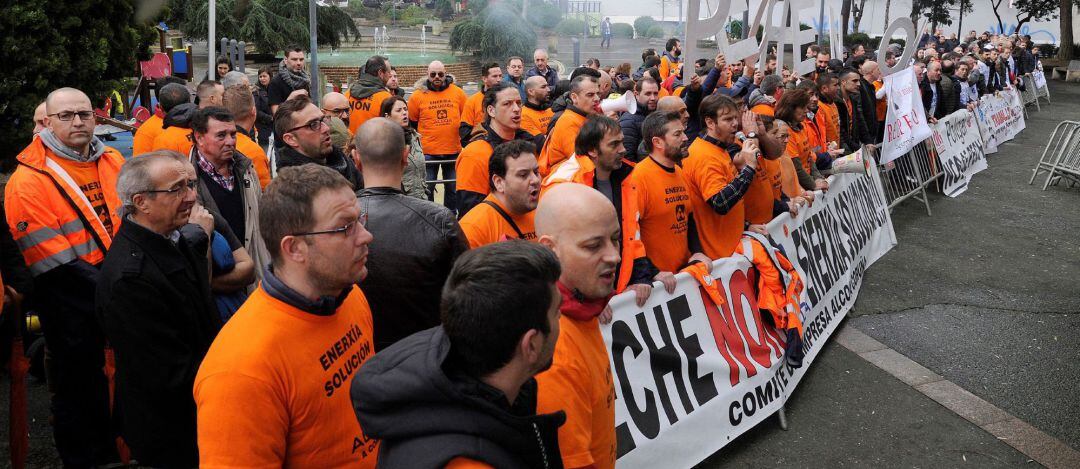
x=1039 y=79
x=691 y=374
x=1001 y=117
x=905 y=121
x=960 y=150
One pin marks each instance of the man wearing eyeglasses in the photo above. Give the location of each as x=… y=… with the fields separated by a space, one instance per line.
x=435 y=112
x=61 y=205
x=273 y=391
x=153 y=300
x=336 y=107
x=303 y=133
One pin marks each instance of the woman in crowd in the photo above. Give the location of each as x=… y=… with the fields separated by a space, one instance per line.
x=264 y=120
x=396 y=109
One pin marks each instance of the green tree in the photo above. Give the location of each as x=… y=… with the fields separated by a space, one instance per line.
x=92 y=45
x=642 y=25
x=496 y=33
x=270 y=25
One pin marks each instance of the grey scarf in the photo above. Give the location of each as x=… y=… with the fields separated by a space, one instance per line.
x=295 y=80
x=50 y=140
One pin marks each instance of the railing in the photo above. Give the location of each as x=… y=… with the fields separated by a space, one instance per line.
x=909 y=175
x=1061 y=157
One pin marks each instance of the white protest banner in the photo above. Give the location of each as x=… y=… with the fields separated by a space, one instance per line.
x=905 y=121
x=1001 y=116
x=960 y=150
x=1039 y=78
x=691 y=375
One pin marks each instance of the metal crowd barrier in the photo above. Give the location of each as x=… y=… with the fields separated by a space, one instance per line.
x=1028 y=95
x=1061 y=157
x=1043 y=92
x=909 y=175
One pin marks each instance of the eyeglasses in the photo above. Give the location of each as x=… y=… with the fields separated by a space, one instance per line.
x=349 y=229
x=67 y=116
x=314 y=125
x=437 y=74
x=190 y=185
x=338 y=111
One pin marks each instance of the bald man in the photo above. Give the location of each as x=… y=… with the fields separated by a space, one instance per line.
x=209 y=93
x=39 y=118
x=871 y=72
x=336 y=107
x=535 y=112
x=541 y=68
x=674 y=104
x=435 y=110
x=605 y=84
x=61 y=206
x=579 y=224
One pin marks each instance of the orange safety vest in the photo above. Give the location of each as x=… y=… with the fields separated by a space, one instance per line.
x=779 y=286
x=582 y=170
x=52 y=221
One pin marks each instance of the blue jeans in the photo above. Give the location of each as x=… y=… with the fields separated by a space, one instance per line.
x=432 y=170
x=606 y=40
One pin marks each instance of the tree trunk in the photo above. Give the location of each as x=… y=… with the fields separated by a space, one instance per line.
x=1001 y=26
x=859 y=15
x=888 y=3
x=1066 y=26
x=845 y=15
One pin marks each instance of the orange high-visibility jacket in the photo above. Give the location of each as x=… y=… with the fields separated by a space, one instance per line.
x=582 y=170
x=779 y=286
x=560 y=143
x=50 y=218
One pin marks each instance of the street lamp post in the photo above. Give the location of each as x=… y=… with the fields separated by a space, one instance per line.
x=316 y=90
x=212 y=30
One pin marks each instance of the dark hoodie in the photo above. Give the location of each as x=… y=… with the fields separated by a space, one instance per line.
x=288 y=156
x=180 y=116
x=426 y=412
x=365 y=86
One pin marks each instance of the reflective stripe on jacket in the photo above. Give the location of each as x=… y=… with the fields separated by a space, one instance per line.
x=50 y=218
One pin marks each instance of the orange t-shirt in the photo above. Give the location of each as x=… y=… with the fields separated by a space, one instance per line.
x=535 y=121
x=86 y=177
x=882 y=106
x=560 y=144
x=472 y=167
x=789 y=179
x=579 y=382
x=708 y=170
x=273 y=391
x=473 y=112
x=763 y=191
x=360 y=110
x=831 y=117
x=438 y=114
x=763 y=109
x=249 y=148
x=664 y=204
x=466 y=463
x=174 y=138
x=483 y=225
x=143 y=141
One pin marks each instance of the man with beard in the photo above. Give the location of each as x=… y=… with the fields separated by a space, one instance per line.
x=435 y=111
x=336 y=108
x=290 y=351
x=463 y=394
x=671 y=61
x=647 y=92
x=304 y=136
x=585 y=100
x=506 y=213
x=473 y=113
x=368 y=92
x=536 y=114
x=291 y=79
x=502 y=106
x=667 y=224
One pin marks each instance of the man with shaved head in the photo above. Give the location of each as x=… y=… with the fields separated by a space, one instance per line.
x=871 y=72
x=209 y=93
x=605 y=84
x=39 y=118
x=435 y=110
x=536 y=112
x=335 y=106
x=580 y=225
x=61 y=206
x=240 y=103
x=416 y=241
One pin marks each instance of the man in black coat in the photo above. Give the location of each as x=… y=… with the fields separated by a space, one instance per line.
x=303 y=136
x=153 y=299
x=416 y=241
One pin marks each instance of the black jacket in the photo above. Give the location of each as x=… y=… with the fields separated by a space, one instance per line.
x=466 y=200
x=264 y=119
x=630 y=123
x=426 y=412
x=153 y=300
x=853 y=131
x=868 y=106
x=287 y=156
x=948 y=96
x=416 y=244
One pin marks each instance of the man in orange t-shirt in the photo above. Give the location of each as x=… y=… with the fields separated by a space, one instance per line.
x=435 y=111
x=367 y=93
x=290 y=352
x=241 y=104
x=828 y=93
x=667 y=225
x=473 y=113
x=536 y=115
x=507 y=213
x=503 y=114
x=579 y=224
x=169 y=96
x=584 y=100
x=488 y=356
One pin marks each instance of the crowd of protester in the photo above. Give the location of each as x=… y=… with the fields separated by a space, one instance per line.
x=270 y=282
